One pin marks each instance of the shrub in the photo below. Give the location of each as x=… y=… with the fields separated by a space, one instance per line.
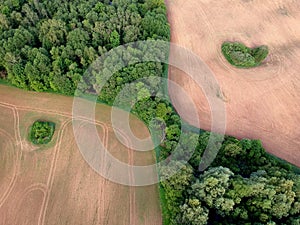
x=239 y=55
x=41 y=132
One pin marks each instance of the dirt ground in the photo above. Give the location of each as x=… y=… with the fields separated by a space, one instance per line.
x=261 y=103
x=53 y=184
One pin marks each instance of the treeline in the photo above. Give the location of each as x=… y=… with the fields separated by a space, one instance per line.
x=47 y=45
x=244 y=184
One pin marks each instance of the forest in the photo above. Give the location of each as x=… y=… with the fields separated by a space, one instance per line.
x=48 y=45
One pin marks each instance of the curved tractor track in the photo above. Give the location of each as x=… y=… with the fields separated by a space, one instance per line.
x=8 y=190
x=46 y=188
x=18 y=155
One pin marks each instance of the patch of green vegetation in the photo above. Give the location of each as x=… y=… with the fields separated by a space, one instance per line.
x=41 y=132
x=239 y=55
x=164 y=206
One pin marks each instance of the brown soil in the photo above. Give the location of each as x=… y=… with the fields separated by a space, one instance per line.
x=53 y=184
x=261 y=103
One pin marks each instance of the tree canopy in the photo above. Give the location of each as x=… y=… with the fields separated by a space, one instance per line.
x=241 y=56
x=41 y=132
x=47 y=45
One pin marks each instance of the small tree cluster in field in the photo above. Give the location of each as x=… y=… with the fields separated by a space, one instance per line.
x=239 y=55
x=41 y=132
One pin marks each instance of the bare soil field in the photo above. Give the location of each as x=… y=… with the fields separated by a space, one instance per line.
x=261 y=103
x=53 y=184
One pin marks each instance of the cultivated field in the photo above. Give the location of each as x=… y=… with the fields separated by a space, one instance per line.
x=53 y=184
x=261 y=103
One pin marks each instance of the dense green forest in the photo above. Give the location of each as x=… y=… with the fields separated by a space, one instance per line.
x=47 y=45
x=244 y=185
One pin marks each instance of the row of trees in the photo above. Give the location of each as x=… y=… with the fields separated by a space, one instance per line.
x=244 y=184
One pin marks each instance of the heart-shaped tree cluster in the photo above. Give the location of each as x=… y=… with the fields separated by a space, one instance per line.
x=239 y=55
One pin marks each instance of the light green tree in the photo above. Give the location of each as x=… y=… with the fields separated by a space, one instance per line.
x=193 y=213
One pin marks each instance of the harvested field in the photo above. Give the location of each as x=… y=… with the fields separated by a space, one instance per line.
x=53 y=184
x=261 y=103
